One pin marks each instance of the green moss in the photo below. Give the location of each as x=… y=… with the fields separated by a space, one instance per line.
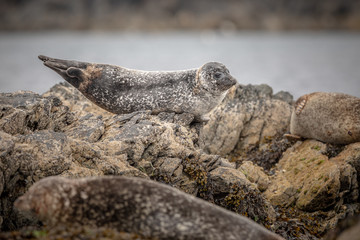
x=39 y=233
x=315 y=189
x=320 y=162
x=244 y=172
x=317 y=147
x=312 y=160
x=302 y=159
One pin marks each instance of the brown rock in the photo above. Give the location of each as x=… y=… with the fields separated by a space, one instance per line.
x=246 y=116
x=255 y=174
x=305 y=175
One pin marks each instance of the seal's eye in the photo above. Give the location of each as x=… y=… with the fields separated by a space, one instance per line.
x=218 y=75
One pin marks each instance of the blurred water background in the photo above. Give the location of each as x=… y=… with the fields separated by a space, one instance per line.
x=297 y=48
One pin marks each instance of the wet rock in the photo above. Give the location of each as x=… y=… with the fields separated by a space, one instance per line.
x=247 y=116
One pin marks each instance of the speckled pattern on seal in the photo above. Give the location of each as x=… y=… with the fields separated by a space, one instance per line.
x=121 y=90
x=136 y=205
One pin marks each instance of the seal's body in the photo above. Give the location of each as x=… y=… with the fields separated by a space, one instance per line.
x=137 y=206
x=328 y=117
x=120 y=90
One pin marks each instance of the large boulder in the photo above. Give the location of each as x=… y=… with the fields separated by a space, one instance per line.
x=247 y=116
x=307 y=177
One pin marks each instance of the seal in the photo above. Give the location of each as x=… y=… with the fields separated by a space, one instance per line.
x=328 y=117
x=135 y=205
x=120 y=90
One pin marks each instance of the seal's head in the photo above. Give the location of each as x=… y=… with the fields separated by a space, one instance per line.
x=46 y=198
x=215 y=77
x=78 y=74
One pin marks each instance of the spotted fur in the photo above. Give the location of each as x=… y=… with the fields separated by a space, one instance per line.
x=135 y=205
x=121 y=90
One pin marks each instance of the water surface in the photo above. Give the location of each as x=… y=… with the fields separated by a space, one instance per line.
x=298 y=62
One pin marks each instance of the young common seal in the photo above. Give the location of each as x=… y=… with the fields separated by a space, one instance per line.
x=137 y=206
x=120 y=90
x=328 y=117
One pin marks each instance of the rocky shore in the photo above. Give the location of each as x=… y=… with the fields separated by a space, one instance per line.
x=238 y=160
x=179 y=14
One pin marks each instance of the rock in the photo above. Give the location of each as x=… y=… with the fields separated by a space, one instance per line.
x=62 y=133
x=241 y=195
x=255 y=174
x=89 y=128
x=223 y=178
x=74 y=100
x=69 y=233
x=24 y=112
x=170 y=165
x=348 y=162
x=247 y=116
x=312 y=186
x=307 y=177
x=284 y=96
x=347 y=229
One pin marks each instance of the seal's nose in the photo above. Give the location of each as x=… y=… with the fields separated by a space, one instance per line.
x=230 y=81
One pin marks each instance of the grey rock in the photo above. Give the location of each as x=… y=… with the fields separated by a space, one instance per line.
x=89 y=128
x=75 y=138
x=242 y=195
x=62 y=133
x=247 y=116
x=24 y=112
x=284 y=96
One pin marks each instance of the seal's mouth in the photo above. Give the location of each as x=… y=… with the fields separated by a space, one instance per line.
x=70 y=70
x=58 y=65
x=227 y=83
